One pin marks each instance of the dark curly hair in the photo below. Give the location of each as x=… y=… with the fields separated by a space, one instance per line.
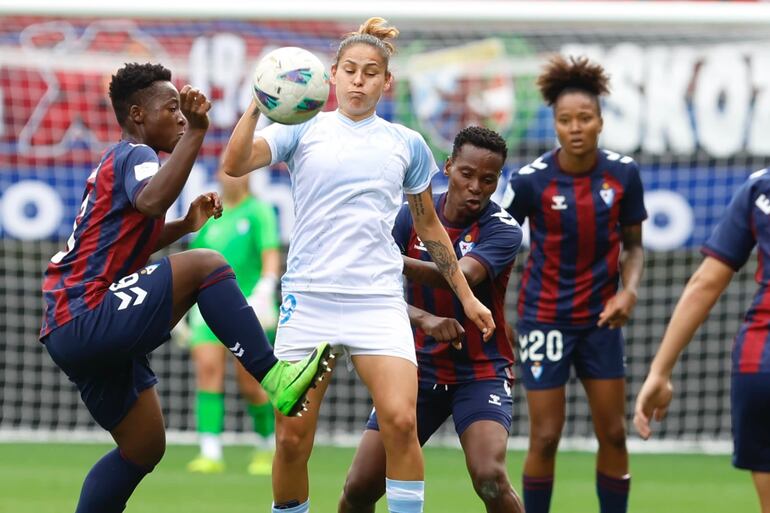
x=129 y=80
x=480 y=137
x=576 y=74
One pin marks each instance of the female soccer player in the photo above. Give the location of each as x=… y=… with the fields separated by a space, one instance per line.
x=106 y=309
x=247 y=236
x=472 y=380
x=585 y=209
x=349 y=169
x=746 y=224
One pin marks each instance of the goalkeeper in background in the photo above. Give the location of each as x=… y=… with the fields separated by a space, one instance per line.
x=247 y=236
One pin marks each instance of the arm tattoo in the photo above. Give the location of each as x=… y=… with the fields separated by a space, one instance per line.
x=419 y=208
x=444 y=260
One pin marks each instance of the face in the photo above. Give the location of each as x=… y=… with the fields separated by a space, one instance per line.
x=360 y=77
x=159 y=116
x=578 y=123
x=473 y=174
x=232 y=186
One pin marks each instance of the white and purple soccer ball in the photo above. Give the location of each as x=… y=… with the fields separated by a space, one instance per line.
x=290 y=85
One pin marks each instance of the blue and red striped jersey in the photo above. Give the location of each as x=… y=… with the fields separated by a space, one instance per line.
x=746 y=224
x=110 y=237
x=575 y=224
x=493 y=239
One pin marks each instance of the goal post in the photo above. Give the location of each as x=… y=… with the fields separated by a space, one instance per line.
x=690 y=102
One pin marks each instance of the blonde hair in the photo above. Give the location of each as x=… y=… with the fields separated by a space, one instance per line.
x=373 y=32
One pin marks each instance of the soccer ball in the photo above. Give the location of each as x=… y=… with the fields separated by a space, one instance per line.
x=290 y=85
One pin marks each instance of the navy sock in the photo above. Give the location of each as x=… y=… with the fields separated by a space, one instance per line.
x=613 y=493
x=537 y=493
x=234 y=322
x=109 y=484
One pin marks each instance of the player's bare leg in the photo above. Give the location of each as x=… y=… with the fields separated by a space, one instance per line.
x=294 y=438
x=263 y=419
x=141 y=435
x=392 y=381
x=546 y=421
x=762 y=484
x=485 y=444
x=607 y=399
x=365 y=483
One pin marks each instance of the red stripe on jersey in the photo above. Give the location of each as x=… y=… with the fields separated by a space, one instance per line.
x=549 y=288
x=586 y=247
x=613 y=255
x=756 y=332
x=527 y=268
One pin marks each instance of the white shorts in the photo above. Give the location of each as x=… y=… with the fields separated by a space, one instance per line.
x=358 y=324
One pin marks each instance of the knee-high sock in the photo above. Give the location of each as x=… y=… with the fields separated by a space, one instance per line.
x=613 y=493
x=233 y=321
x=537 y=493
x=109 y=484
x=404 y=496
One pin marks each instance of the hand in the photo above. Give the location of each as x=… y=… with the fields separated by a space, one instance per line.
x=444 y=329
x=652 y=402
x=480 y=316
x=195 y=107
x=618 y=309
x=201 y=209
x=262 y=301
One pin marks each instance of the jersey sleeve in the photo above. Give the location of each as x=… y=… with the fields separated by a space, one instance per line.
x=402 y=228
x=282 y=140
x=733 y=239
x=266 y=222
x=517 y=199
x=139 y=166
x=499 y=243
x=632 y=209
x=421 y=168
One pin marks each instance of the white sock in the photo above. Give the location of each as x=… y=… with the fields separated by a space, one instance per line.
x=302 y=508
x=404 y=496
x=211 y=446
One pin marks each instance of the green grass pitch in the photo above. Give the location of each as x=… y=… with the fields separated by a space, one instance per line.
x=46 y=478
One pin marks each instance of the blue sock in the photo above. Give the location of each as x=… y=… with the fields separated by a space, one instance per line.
x=537 y=493
x=109 y=484
x=292 y=507
x=612 y=492
x=233 y=321
x=404 y=496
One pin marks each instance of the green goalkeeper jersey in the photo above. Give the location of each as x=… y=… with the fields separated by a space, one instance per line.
x=241 y=235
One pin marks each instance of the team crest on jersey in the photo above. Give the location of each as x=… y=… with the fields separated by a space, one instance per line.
x=537 y=370
x=466 y=245
x=559 y=202
x=243 y=226
x=607 y=194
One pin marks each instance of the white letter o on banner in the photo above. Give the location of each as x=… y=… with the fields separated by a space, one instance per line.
x=49 y=210
x=678 y=212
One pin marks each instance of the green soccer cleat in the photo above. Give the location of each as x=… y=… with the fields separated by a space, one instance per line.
x=287 y=383
x=203 y=465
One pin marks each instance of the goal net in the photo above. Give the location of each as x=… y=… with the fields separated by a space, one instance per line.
x=690 y=102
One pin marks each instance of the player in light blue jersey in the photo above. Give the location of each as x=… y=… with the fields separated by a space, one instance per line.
x=349 y=171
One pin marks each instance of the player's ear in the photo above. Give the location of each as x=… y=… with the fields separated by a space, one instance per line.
x=333 y=77
x=388 y=81
x=447 y=165
x=136 y=114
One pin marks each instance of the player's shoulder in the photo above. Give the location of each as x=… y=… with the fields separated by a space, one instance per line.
x=617 y=162
x=758 y=185
x=496 y=218
x=399 y=131
x=541 y=165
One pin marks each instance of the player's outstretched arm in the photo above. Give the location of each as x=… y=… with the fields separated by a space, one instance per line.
x=698 y=297
x=618 y=309
x=164 y=188
x=427 y=273
x=201 y=209
x=245 y=153
x=436 y=241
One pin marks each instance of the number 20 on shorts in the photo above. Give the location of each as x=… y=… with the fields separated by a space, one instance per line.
x=536 y=345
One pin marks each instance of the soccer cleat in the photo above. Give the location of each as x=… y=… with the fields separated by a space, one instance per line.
x=261 y=464
x=287 y=383
x=203 y=465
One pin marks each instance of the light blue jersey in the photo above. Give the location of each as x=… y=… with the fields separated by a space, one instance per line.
x=348 y=179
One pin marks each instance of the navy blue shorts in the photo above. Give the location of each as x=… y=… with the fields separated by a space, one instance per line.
x=547 y=352
x=750 y=406
x=466 y=402
x=104 y=351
